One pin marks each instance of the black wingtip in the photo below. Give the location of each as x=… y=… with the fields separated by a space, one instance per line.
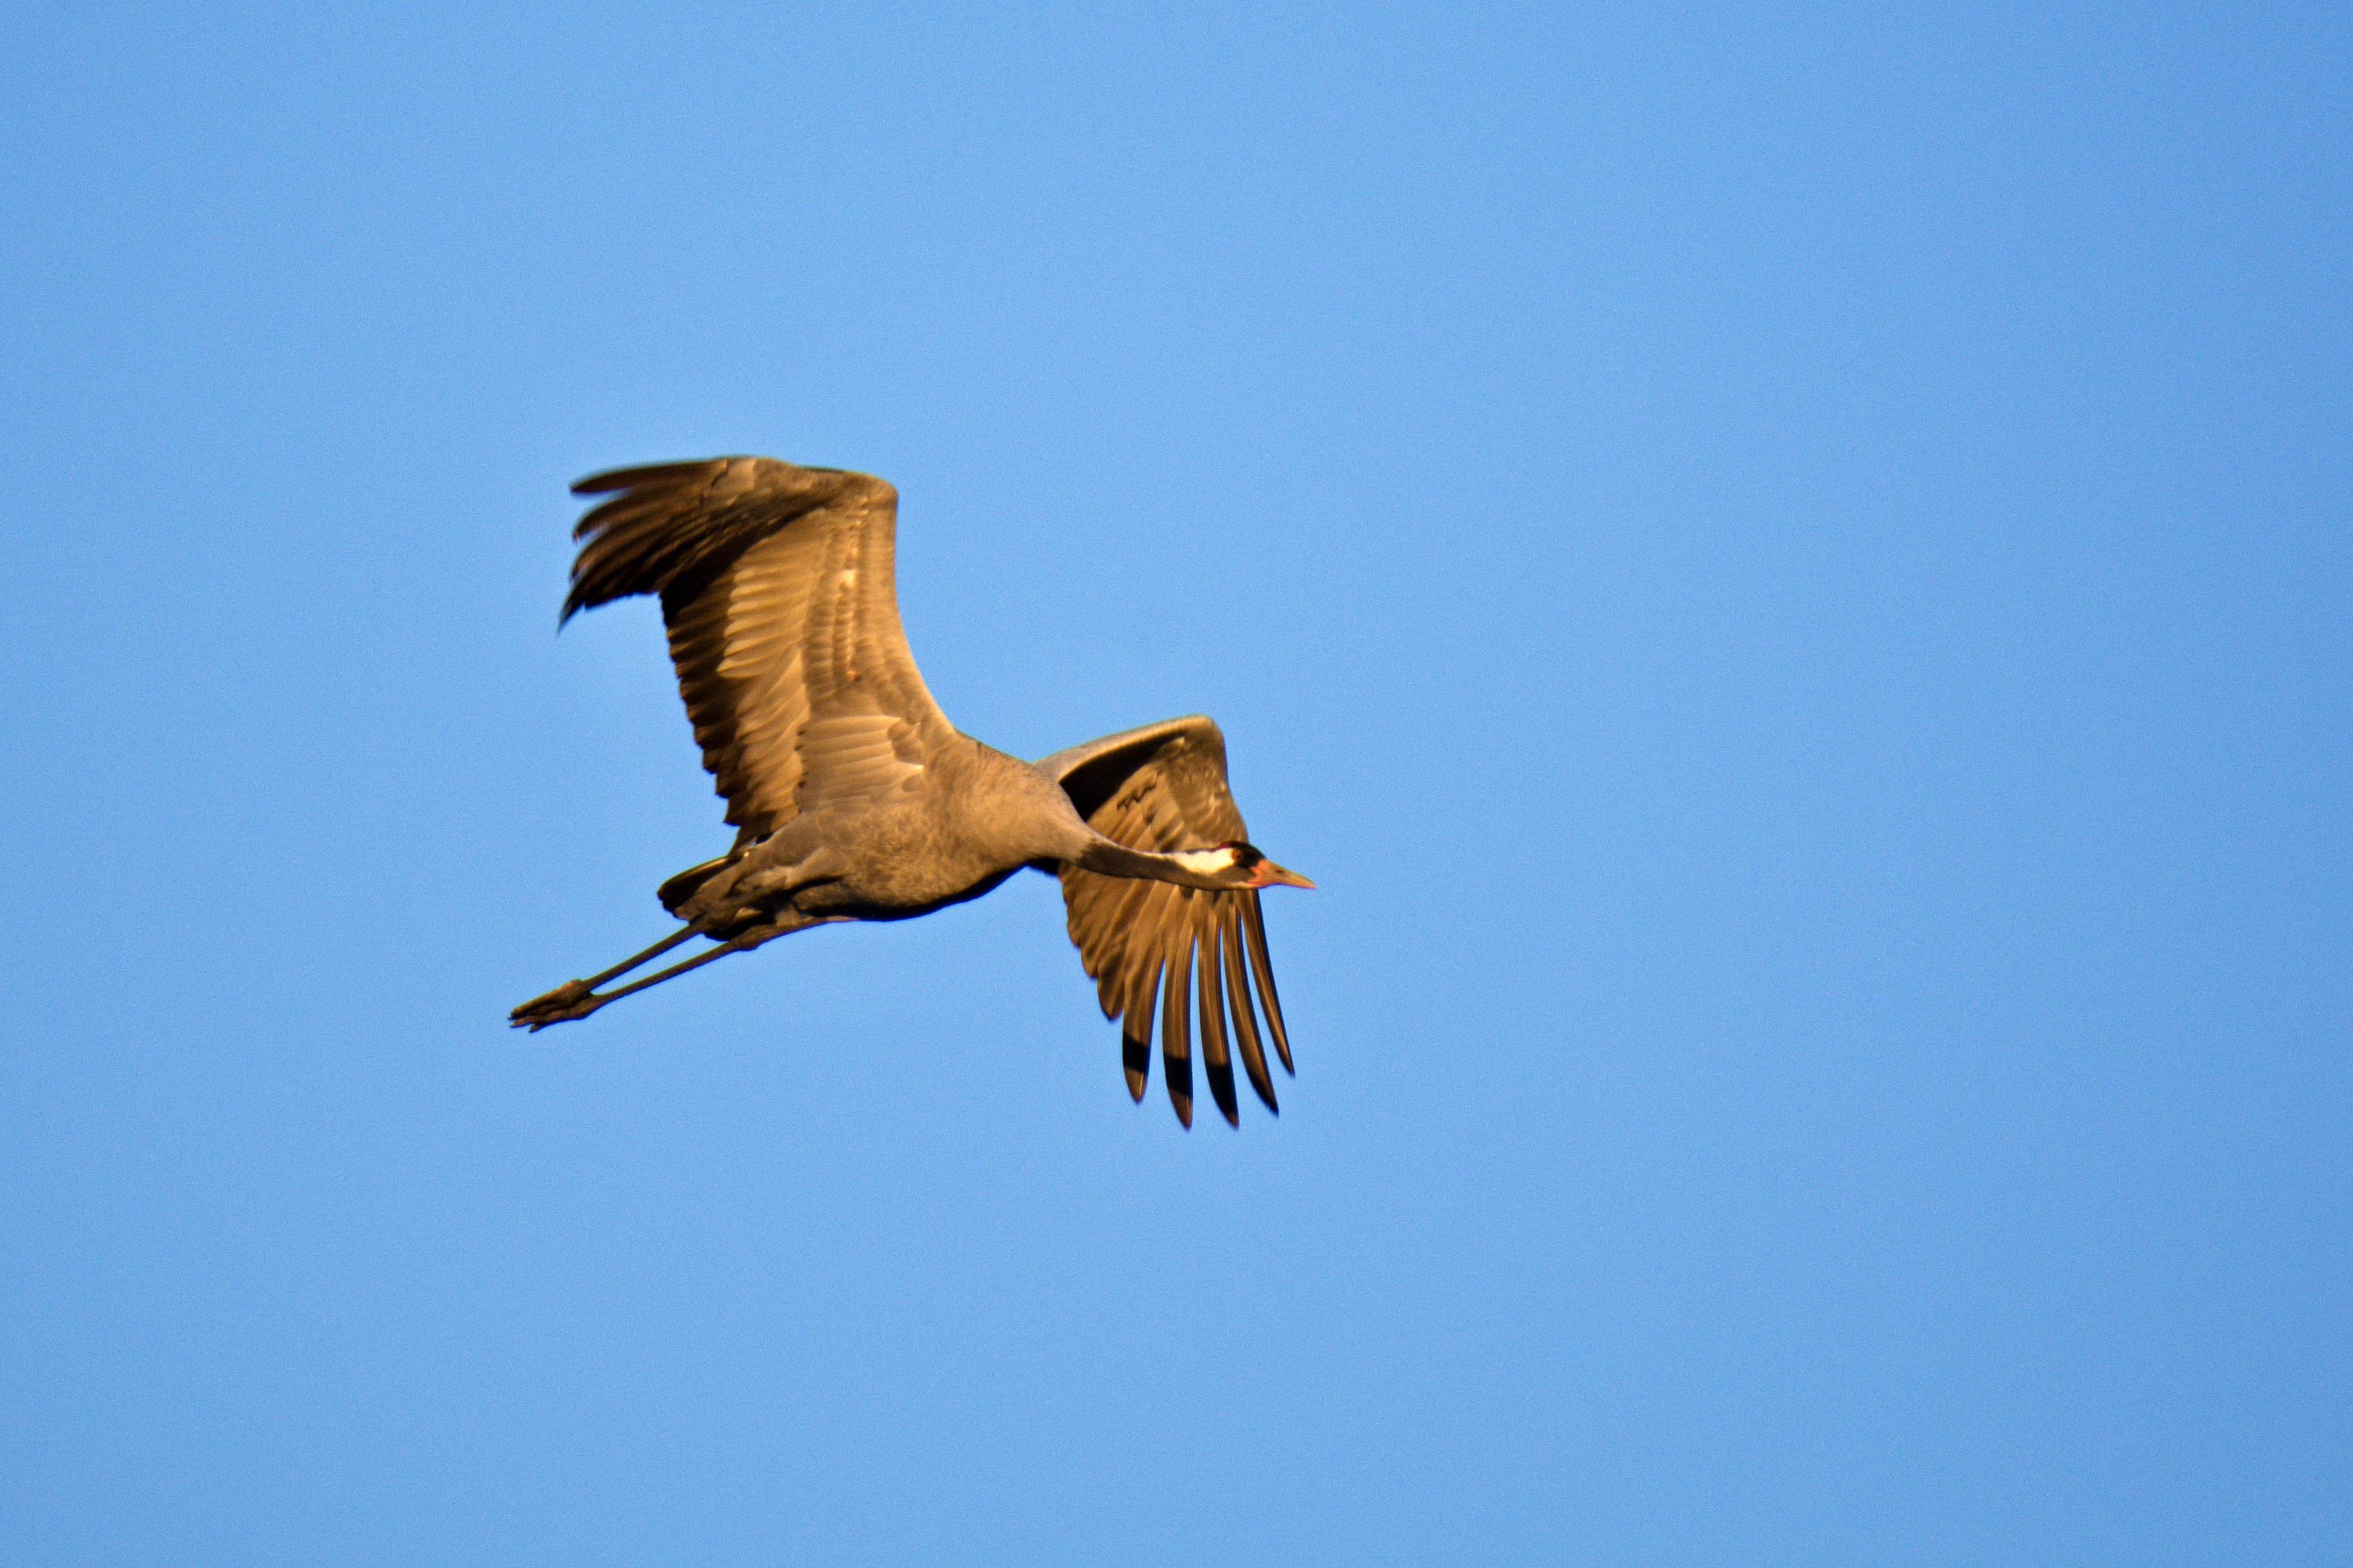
x=1135 y=1061
x=607 y=480
x=1217 y=1059
x=1176 y=1034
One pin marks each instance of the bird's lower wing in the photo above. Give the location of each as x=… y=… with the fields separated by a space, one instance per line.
x=1201 y=955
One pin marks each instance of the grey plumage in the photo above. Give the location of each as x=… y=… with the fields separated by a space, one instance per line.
x=855 y=799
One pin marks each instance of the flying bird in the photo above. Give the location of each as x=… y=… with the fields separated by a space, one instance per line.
x=853 y=798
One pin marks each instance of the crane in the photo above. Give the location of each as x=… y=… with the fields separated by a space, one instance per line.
x=853 y=798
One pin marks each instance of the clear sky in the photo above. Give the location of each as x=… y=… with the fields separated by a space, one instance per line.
x=1786 y=571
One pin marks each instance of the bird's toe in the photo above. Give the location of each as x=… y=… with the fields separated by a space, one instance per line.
x=562 y=1004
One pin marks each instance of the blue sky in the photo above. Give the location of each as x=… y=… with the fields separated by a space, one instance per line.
x=1786 y=571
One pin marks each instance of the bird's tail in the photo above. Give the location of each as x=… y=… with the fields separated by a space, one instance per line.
x=683 y=886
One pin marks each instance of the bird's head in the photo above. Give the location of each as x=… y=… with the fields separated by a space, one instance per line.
x=1239 y=864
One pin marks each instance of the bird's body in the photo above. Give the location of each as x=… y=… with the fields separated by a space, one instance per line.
x=974 y=821
x=856 y=799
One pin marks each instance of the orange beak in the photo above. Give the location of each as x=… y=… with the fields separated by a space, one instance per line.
x=1270 y=874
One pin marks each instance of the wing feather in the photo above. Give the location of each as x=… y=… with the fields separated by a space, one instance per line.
x=1262 y=970
x=1217 y=1062
x=779 y=586
x=1135 y=1033
x=1176 y=1031
x=1230 y=940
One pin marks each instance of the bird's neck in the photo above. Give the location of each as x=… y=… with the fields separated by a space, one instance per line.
x=1186 y=868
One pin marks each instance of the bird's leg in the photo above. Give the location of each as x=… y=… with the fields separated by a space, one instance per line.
x=549 y=1009
x=570 y=991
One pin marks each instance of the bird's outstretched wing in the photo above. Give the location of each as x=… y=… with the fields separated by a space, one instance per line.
x=779 y=588
x=1163 y=788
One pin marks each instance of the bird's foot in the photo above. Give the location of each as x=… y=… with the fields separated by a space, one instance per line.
x=572 y=1000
